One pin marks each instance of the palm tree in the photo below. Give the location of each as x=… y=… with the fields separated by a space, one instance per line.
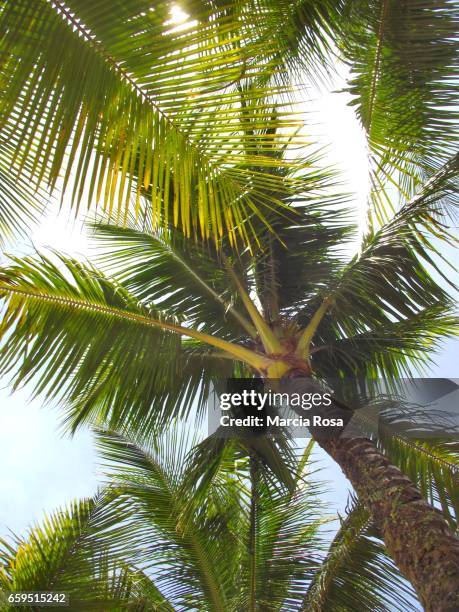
x=191 y=117
x=152 y=540
x=144 y=345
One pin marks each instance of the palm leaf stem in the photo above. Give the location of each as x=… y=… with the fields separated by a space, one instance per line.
x=384 y=11
x=249 y=328
x=304 y=344
x=238 y=352
x=270 y=342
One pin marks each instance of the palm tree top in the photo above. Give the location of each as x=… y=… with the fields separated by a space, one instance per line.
x=202 y=311
x=222 y=255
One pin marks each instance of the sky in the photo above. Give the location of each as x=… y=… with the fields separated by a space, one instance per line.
x=42 y=468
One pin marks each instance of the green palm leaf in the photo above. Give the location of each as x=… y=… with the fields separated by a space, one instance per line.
x=304 y=32
x=391 y=349
x=69 y=553
x=71 y=324
x=403 y=61
x=132 y=104
x=192 y=555
x=221 y=514
x=186 y=279
x=305 y=249
x=357 y=569
x=433 y=465
x=20 y=204
x=387 y=292
x=283 y=542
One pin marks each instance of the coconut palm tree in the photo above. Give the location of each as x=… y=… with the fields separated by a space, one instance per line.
x=144 y=345
x=130 y=102
x=152 y=540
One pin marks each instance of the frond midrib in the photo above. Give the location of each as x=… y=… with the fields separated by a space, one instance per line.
x=228 y=307
x=99 y=49
x=83 y=305
x=237 y=351
x=377 y=63
x=316 y=594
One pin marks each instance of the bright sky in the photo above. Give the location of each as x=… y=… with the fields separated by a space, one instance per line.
x=40 y=468
x=332 y=122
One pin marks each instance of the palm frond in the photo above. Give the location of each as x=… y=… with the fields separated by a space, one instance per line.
x=357 y=569
x=303 y=250
x=304 y=31
x=279 y=528
x=187 y=280
x=68 y=552
x=144 y=593
x=192 y=555
x=403 y=62
x=132 y=104
x=66 y=322
x=391 y=349
x=387 y=291
x=20 y=204
x=283 y=542
x=230 y=448
x=432 y=465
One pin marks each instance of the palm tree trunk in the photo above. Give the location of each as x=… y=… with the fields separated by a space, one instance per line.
x=253 y=535
x=415 y=534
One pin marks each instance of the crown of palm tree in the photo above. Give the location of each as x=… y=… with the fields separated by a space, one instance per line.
x=146 y=343
x=183 y=131
x=141 y=344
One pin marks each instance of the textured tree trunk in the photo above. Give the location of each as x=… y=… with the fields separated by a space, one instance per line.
x=416 y=535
